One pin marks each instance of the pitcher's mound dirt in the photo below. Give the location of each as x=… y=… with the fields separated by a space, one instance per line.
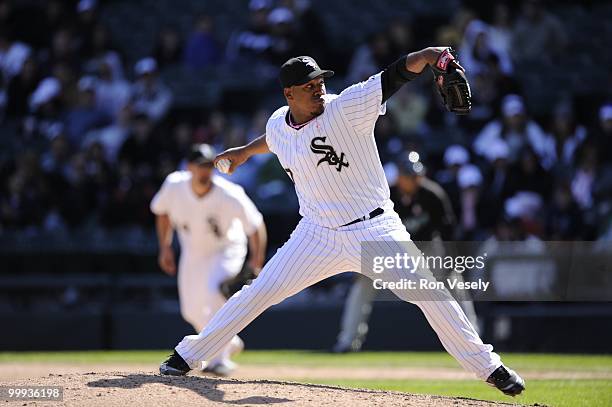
x=147 y=389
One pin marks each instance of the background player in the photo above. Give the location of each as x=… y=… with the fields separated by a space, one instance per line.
x=326 y=144
x=427 y=213
x=213 y=219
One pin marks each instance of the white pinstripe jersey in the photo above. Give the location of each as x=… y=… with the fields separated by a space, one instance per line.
x=333 y=160
x=220 y=220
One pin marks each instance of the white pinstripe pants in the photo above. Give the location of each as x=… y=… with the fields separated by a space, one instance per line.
x=314 y=253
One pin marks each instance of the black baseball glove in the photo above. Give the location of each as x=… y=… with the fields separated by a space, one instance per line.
x=232 y=285
x=452 y=83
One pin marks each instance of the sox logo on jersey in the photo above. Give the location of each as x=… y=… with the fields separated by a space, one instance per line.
x=330 y=155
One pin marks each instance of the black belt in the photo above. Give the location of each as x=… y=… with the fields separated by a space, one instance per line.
x=376 y=212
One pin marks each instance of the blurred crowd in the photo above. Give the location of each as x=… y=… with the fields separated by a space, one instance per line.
x=96 y=133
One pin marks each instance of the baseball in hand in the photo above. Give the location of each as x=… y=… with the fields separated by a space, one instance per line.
x=223 y=165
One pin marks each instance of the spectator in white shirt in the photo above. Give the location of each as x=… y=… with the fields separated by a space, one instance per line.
x=149 y=94
x=517 y=130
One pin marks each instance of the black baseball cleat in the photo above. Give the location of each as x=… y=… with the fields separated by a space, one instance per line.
x=507 y=381
x=175 y=365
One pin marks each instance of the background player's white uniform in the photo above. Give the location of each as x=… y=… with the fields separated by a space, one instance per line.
x=212 y=232
x=334 y=162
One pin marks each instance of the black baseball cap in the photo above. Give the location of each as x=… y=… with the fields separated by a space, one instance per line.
x=201 y=154
x=299 y=70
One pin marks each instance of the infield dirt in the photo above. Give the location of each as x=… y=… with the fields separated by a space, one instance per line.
x=145 y=388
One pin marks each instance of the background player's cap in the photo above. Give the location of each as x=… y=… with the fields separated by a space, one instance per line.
x=201 y=154
x=299 y=70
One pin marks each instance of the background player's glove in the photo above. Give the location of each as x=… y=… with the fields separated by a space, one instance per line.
x=452 y=83
x=232 y=285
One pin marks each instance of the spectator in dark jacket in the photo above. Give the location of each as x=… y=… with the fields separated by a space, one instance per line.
x=168 y=48
x=537 y=33
x=86 y=115
x=255 y=40
x=20 y=88
x=564 y=218
x=140 y=150
x=201 y=47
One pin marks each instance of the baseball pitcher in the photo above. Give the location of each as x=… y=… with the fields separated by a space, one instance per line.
x=326 y=145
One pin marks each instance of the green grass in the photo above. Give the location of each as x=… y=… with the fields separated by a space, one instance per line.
x=518 y=361
x=136 y=356
x=562 y=393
